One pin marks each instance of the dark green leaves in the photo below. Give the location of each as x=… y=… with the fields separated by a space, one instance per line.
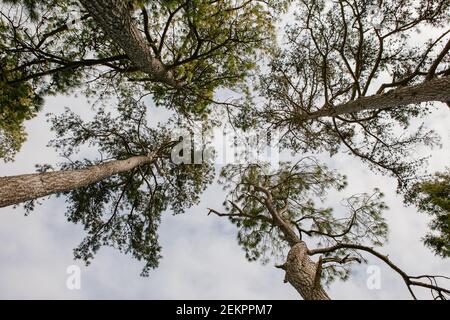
x=297 y=192
x=432 y=196
x=123 y=211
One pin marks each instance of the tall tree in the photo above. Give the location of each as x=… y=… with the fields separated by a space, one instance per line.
x=326 y=88
x=18 y=103
x=432 y=196
x=180 y=52
x=21 y=188
x=276 y=212
x=120 y=197
x=344 y=78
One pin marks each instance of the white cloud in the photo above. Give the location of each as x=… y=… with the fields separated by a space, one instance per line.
x=202 y=259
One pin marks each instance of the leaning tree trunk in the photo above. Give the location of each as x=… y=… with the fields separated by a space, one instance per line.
x=114 y=18
x=301 y=273
x=432 y=90
x=17 y=189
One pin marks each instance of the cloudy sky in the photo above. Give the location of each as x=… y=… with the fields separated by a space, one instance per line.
x=201 y=257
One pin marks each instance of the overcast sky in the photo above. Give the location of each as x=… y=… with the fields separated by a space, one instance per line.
x=201 y=257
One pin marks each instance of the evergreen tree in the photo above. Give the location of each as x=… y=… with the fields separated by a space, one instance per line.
x=277 y=215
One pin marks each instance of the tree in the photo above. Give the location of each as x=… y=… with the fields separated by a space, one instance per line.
x=21 y=188
x=17 y=104
x=325 y=89
x=180 y=52
x=276 y=209
x=432 y=196
x=430 y=90
x=329 y=85
x=119 y=198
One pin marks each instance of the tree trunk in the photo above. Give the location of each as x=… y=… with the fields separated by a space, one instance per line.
x=432 y=90
x=114 y=17
x=17 y=189
x=301 y=273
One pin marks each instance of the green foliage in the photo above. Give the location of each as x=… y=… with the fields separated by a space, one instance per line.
x=333 y=55
x=17 y=104
x=295 y=190
x=23 y=65
x=206 y=45
x=432 y=196
x=124 y=210
x=210 y=45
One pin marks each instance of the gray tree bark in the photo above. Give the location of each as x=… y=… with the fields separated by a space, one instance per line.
x=432 y=90
x=301 y=273
x=114 y=17
x=17 y=189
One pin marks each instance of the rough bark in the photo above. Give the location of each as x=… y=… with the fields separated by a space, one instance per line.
x=432 y=90
x=17 y=189
x=301 y=273
x=114 y=17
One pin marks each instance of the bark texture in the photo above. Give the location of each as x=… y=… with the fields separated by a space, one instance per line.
x=432 y=90
x=114 y=17
x=17 y=189
x=301 y=273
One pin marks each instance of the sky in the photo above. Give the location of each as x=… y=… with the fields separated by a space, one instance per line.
x=201 y=256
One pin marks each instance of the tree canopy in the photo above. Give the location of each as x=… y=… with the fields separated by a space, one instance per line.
x=347 y=75
x=297 y=191
x=432 y=196
x=276 y=211
x=56 y=47
x=342 y=79
x=123 y=211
